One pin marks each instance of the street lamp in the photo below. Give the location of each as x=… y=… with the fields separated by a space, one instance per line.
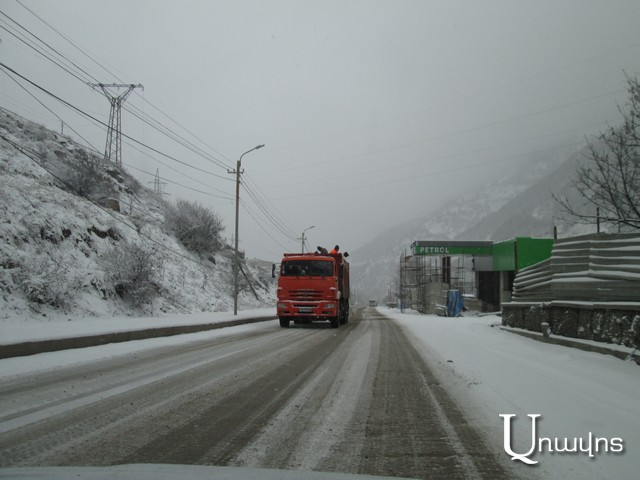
x=236 y=263
x=303 y=238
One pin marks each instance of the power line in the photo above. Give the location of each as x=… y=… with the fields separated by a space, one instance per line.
x=41 y=53
x=112 y=127
x=174 y=136
x=93 y=150
x=471 y=96
x=114 y=124
x=447 y=157
x=179 y=184
x=176 y=171
x=82 y=112
x=413 y=177
x=115 y=118
x=269 y=216
x=265 y=204
x=255 y=218
x=64 y=37
x=48 y=109
x=30 y=154
x=141 y=116
x=453 y=134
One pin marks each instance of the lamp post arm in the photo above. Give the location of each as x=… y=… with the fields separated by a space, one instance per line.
x=254 y=148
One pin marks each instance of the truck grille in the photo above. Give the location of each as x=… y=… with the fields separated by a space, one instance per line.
x=305 y=295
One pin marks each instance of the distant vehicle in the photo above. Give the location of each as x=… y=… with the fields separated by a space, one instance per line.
x=373 y=303
x=313 y=286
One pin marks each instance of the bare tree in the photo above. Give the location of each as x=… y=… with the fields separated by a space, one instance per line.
x=610 y=179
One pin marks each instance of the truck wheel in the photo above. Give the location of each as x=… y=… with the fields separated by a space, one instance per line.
x=284 y=322
x=335 y=321
x=344 y=313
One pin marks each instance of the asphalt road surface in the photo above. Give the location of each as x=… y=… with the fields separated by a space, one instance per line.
x=357 y=399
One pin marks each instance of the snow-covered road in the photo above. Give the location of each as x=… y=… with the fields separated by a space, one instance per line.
x=356 y=399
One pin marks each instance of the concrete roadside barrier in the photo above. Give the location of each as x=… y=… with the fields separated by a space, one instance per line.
x=40 y=346
x=568 y=342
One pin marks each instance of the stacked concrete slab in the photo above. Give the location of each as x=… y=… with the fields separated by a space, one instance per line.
x=589 y=288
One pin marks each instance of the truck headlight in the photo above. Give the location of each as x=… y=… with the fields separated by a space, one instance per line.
x=329 y=305
x=282 y=305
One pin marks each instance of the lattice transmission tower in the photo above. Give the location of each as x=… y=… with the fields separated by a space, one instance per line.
x=116 y=100
x=158 y=185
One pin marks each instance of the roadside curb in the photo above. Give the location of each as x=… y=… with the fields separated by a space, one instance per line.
x=566 y=342
x=31 y=348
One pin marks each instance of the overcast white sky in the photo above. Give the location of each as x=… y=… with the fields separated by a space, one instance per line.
x=370 y=110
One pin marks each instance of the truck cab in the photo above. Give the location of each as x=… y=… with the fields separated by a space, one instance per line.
x=313 y=286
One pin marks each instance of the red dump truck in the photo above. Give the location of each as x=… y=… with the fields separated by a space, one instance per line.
x=313 y=286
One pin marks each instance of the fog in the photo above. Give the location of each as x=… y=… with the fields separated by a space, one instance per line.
x=372 y=112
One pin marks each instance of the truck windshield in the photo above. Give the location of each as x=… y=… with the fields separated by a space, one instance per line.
x=307 y=268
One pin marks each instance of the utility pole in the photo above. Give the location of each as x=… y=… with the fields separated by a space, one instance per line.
x=115 y=118
x=403 y=268
x=303 y=238
x=236 y=263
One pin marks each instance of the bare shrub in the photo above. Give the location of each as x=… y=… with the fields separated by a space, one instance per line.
x=37 y=132
x=43 y=152
x=85 y=177
x=49 y=279
x=133 y=270
x=131 y=183
x=198 y=228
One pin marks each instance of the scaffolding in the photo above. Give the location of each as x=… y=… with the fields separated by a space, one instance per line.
x=425 y=280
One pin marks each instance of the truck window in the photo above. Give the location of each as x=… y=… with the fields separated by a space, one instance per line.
x=307 y=268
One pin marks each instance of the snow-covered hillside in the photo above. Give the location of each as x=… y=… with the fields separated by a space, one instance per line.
x=59 y=250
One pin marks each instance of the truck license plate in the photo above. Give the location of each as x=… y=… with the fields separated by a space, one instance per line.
x=305 y=309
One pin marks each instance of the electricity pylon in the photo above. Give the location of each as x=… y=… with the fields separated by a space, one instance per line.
x=157 y=184
x=115 y=121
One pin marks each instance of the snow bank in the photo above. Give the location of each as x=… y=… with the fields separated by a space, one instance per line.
x=31 y=331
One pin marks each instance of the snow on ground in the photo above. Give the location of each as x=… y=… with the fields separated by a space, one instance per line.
x=490 y=371
x=493 y=371
x=50 y=330
x=61 y=253
x=31 y=329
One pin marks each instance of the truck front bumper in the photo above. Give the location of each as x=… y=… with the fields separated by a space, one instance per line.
x=318 y=309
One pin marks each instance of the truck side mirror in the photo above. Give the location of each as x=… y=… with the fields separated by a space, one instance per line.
x=345 y=254
x=273 y=270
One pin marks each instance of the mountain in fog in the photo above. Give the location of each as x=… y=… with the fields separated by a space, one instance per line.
x=518 y=204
